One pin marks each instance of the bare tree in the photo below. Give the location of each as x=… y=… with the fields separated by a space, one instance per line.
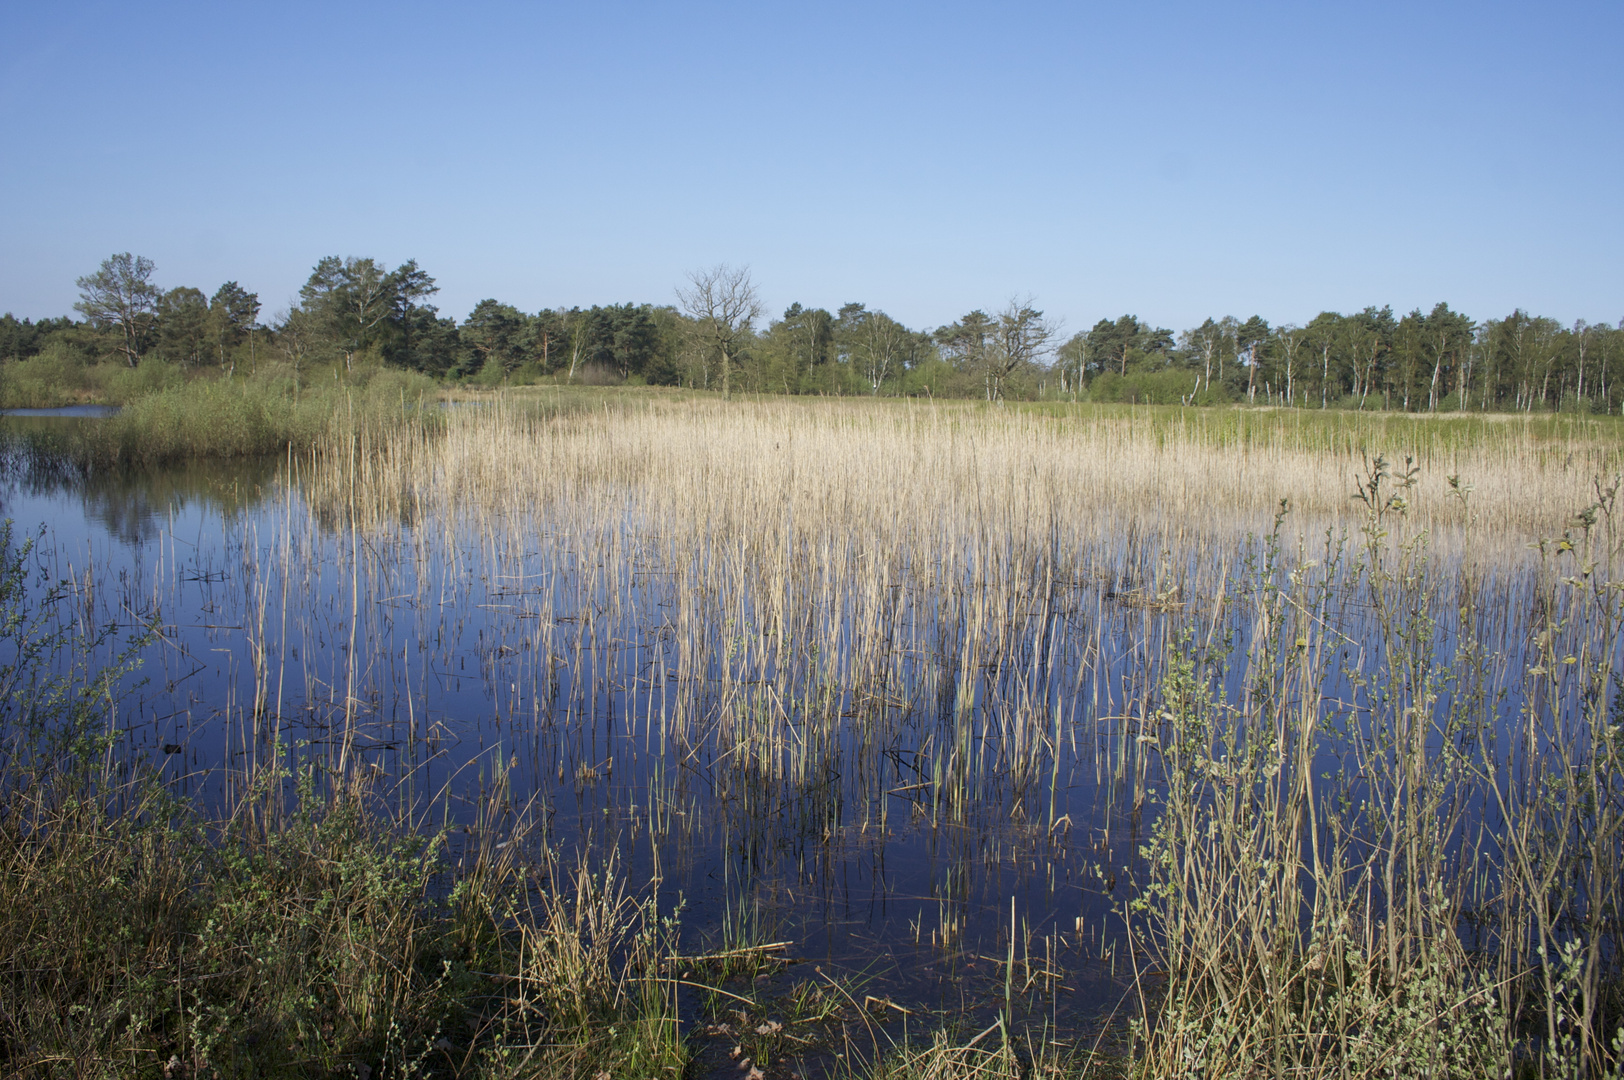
x=122 y=294
x=723 y=304
x=1019 y=337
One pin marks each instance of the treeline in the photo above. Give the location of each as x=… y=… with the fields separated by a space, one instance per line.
x=356 y=314
x=1440 y=360
x=352 y=314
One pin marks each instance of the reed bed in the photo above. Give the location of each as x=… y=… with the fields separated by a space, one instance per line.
x=856 y=468
x=177 y=420
x=760 y=576
x=1401 y=856
x=696 y=626
x=838 y=580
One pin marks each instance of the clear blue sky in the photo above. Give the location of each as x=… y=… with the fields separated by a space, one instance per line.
x=1173 y=160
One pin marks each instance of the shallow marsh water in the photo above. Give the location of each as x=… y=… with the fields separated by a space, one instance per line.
x=63 y=412
x=464 y=663
x=934 y=790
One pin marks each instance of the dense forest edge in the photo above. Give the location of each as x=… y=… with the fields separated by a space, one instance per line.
x=356 y=320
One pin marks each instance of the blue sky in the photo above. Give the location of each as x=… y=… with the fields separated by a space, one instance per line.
x=1174 y=160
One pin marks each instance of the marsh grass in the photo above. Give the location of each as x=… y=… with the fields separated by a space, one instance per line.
x=849 y=620
x=227 y=418
x=992 y=1054
x=845 y=578
x=830 y=582
x=149 y=941
x=1415 y=876
x=167 y=418
x=826 y=576
x=307 y=927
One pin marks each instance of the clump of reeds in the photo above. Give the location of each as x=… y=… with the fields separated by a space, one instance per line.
x=1363 y=863
x=177 y=419
x=222 y=418
x=993 y=1054
x=151 y=941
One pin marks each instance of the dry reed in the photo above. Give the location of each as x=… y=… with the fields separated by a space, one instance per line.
x=783 y=595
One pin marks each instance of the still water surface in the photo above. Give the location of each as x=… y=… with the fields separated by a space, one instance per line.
x=65 y=412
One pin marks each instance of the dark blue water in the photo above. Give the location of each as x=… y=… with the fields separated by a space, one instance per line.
x=66 y=412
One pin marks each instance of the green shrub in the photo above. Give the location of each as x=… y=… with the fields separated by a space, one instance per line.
x=1147 y=388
